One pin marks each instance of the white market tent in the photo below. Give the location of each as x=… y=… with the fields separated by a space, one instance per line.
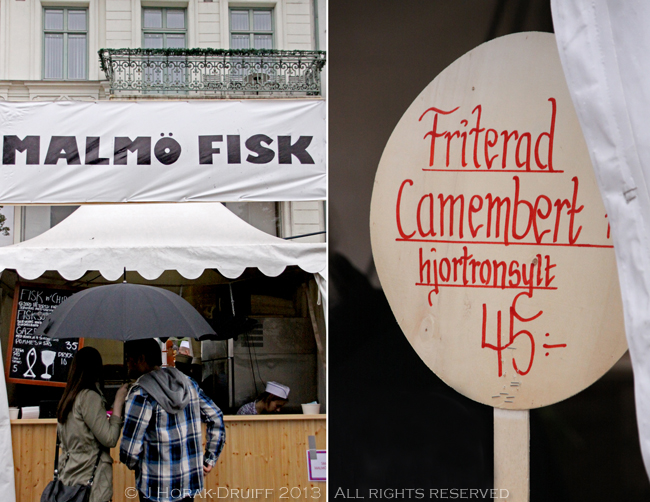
x=152 y=238
x=603 y=47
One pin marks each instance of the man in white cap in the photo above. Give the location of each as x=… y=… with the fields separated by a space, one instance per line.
x=271 y=400
x=185 y=348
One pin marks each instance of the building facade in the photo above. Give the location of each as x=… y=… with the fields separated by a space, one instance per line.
x=49 y=52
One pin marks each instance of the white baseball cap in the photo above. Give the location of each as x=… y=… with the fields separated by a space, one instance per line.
x=277 y=389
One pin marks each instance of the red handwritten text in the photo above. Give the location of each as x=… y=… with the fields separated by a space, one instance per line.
x=499 y=347
x=478 y=217
x=486 y=145
x=466 y=271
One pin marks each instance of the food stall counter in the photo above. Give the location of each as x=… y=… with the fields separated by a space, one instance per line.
x=262 y=452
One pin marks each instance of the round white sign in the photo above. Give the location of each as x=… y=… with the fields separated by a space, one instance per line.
x=489 y=233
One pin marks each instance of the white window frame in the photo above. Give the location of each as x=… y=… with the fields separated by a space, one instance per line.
x=164 y=30
x=191 y=9
x=65 y=31
x=278 y=19
x=94 y=35
x=251 y=32
x=42 y=215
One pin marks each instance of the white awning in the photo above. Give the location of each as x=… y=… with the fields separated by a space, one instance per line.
x=152 y=238
x=603 y=46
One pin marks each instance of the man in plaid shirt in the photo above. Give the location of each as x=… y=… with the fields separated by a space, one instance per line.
x=161 y=439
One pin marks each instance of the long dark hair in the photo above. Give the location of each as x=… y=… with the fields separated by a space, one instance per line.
x=85 y=372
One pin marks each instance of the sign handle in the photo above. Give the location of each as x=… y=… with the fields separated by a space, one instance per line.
x=512 y=455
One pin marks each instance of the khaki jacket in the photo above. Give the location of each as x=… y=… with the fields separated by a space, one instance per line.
x=85 y=428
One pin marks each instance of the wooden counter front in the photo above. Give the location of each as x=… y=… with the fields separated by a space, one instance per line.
x=261 y=452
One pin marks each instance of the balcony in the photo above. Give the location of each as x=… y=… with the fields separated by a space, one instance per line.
x=211 y=73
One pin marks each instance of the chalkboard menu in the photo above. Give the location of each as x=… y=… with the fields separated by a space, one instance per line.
x=36 y=359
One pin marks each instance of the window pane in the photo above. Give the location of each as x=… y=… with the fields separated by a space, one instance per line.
x=77 y=56
x=153 y=18
x=60 y=213
x=176 y=41
x=239 y=20
x=53 y=19
x=262 y=20
x=261 y=215
x=176 y=19
x=153 y=41
x=77 y=20
x=240 y=42
x=36 y=221
x=263 y=42
x=53 y=56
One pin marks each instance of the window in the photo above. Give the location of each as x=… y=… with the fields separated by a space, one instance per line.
x=38 y=219
x=65 y=33
x=164 y=29
x=251 y=28
x=261 y=215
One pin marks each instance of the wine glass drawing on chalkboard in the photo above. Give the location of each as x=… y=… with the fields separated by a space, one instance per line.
x=47 y=356
x=31 y=361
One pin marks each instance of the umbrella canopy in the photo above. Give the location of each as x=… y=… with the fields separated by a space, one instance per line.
x=125 y=312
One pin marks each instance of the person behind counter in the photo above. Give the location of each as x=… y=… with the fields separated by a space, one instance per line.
x=271 y=400
x=84 y=428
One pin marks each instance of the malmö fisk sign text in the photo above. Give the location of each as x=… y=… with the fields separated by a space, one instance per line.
x=489 y=234
x=174 y=151
x=167 y=150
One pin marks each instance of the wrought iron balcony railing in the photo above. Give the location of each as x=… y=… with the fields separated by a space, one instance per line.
x=209 y=72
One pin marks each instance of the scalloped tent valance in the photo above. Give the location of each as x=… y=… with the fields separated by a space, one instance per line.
x=152 y=238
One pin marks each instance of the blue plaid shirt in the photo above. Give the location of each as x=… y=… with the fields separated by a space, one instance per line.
x=165 y=449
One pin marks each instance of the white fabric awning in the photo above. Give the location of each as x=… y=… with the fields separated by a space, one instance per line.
x=603 y=46
x=152 y=238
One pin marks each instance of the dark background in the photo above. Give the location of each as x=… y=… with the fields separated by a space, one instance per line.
x=392 y=423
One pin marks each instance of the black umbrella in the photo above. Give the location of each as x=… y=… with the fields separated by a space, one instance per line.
x=125 y=312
